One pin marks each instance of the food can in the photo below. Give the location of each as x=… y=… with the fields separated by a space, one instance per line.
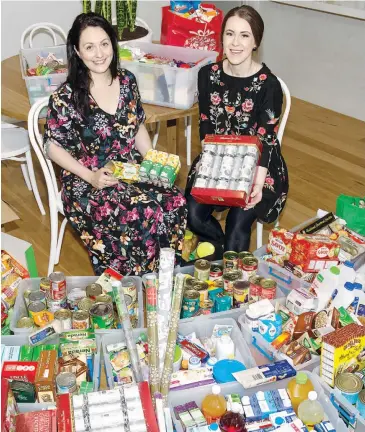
x=58 y=285
x=85 y=304
x=360 y=404
x=26 y=296
x=216 y=271
x=25 y=322
x=202 y=270
x=66 y=383
x=202 y=287
x=55 y=305
x=74 y=296
x=207 y=307
x=101 y=315
x=241 y=290
x=36 y=307
x=268 y=289
x=37 y=296
x=94 y=290
x=249 y=266
x=130 y=287
x=230 y=276
x=222 y=303
x=255 y=288
x=230 y=260
x=45 y=286
x=189 y=282
x=80 y=320
x=190 y=303
x=349 y=385
x=103 y=298
x=242 y=255
x=63 y=317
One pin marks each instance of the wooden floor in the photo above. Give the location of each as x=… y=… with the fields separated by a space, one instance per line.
x=324 y=151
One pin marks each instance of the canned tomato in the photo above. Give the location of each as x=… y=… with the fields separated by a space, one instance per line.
x=190 y=303
x=45 y=286
x=268 y=289
x=25 y=322
x=35 y=308
x=94 y=290
x=216 y=271
x=202 y=287
x=74 y=296
x=37 y=296
x=130 y=287
x=241 y=290
x=63 y=317
x=85 y=304
x=202 y=270
x=58 y=285
x=101 y=315
x=55 y=305
x=230 y=260
x=255 y=288
x=349 y=385
x=80 y=320
x=243 y=255
x=249 y=267
x=230 y=276
x=66 y=383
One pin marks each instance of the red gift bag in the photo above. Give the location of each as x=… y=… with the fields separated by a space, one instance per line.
x=191 y=33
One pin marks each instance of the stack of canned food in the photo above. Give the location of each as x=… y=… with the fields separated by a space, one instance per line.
x=76 y=308
x=219 y=287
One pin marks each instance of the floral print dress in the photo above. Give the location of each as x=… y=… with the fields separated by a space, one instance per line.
x=123 y=226
x=246 y=106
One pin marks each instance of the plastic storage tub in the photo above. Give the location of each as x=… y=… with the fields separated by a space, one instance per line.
x=41 y=86
x=165 y=85
x=185 y=396
x=349 y=414
x=72 y=282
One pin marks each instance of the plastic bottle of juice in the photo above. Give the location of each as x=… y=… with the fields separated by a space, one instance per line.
x=298 y=389
x=214 y=405
x=233 y=421
x=310 y=411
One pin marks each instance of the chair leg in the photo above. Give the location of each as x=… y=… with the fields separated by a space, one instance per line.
x=33 y=182
x=155 y=137
x=185 y=124
x=53 y=215
x=60 y=240
x=26 y=176
x=259 y=232
x=188 y=139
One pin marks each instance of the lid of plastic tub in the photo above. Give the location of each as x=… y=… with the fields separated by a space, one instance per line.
x=223 y=370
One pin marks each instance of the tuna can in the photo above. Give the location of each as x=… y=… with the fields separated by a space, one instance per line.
x=45 y=286
x=190 y=303
x=223 y=303
x=25 y=322
x=349 y=385
x=249 y=267
x=36 y=307
x=85 y=304
x=130 y=287
x=101 y=315
x=255 y=288
x=66 y=383
x=80 y=320
x=94 y=290
x=55 y=305
x=74 y=296
x=63 y=317
x=230 y=260
x=216 y=271
x=58 y=285
x=360 y=404
x=202 y=287
x=229 y=277
x=202 y=270
x=37 y=296
x=207 y=307
x=268 y=289
x=241 y=290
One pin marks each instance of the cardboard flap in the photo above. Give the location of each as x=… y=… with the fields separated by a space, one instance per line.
x=7 y=213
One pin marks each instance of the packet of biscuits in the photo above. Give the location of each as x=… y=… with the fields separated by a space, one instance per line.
x=127 y=172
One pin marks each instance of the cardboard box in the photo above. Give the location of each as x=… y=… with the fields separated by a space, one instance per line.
x=9 y=408
x=45 y=380
x=7 y=214
x=22 y=251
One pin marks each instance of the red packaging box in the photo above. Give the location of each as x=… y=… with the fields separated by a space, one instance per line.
x=37 y=421
x=148 y=410
x=9 y=408
x=20 y=371
x=226 y=197
x=65 y=420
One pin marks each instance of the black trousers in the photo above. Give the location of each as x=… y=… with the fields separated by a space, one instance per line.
x=205 y=225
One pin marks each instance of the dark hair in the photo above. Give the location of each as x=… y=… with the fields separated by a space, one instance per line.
x=79 y=76
x=251 y=15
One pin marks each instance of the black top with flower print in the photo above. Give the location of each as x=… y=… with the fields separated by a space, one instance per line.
x=241 y=106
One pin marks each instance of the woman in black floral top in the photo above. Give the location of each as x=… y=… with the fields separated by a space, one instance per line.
x=242 y=97
x=96 y=117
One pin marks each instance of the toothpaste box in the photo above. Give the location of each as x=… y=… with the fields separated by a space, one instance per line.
x=266 y=403
x=281 y=399
x=185 y=379
x=325 y=426
x=251 y=409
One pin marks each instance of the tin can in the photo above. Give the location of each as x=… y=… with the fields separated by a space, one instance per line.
x=85 y=304
x=130 y=287
x=223 y=303
x=36 y=307
x=55 y=305
x=101 y=315
x=80 y=320
x=26 y=296
x=94 y=290
x=230 y=260
x=37 y=296
x=45 y=286
x=268 y=289
x=103 y=298
x=216 y=272
x=63 y=317
x=255 y=288
x=242 y=255
x=58 y=285
x=349 y=385
x=202 y=270
x=190 y=303
x=74 y=296
x=360 y=404
x=249 y=267
x=189 y=282
x=241 y=290
x=25 y=322
x=66 y=383
x=229 y=277
x=202 y=287
x=207 y=307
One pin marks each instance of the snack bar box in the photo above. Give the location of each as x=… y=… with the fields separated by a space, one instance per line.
x=226 y=197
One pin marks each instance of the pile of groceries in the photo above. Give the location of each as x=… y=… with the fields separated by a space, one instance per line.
x=263 y=341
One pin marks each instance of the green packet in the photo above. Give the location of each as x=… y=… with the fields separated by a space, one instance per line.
x=83 y=346
x=86 y=387
x=76 y=335
x=345 y=317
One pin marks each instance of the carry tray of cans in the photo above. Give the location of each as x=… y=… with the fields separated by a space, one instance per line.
x=227 y=169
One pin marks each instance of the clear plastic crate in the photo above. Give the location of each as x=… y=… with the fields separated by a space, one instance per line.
x=20 y=309
x=184 y=396
x=263 y=352
x=347 y=412
x=165 y=85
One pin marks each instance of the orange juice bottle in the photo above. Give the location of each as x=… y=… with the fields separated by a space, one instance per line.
x=298 y=389
x=214 y=405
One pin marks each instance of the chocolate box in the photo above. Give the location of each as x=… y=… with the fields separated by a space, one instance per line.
x=45 y=380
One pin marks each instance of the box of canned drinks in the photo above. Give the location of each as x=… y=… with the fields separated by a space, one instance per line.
x=227 y=170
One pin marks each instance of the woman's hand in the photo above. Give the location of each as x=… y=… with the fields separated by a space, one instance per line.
x=256 y=196
x=102 y=178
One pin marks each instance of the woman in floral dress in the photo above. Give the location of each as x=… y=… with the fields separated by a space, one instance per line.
x=94 y=118
x=239 y=96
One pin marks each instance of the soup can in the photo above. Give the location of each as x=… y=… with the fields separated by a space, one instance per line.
x=58 y=285
x=202 y=270
x=189 y=282
x=349 y=385
x=229 y=277
x=63 y=317
x=101 y=315
x=94 y=290
x=85 y=304
x=55 y=305
x=37 y=296
x=202 y=287
x=25 y=322
x=66 y=383
x=216 y=271
x=80 y=320
x=241 y=290
x=130 y=287
x=35 y=308
x=74 y=296
x=242 y=255
x=207 y=307
x=249 y=267
x=230 y=260
x=268 y=289
x=190 y=303
x=45 y=286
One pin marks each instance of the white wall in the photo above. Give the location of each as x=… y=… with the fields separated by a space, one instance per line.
x=320 y=56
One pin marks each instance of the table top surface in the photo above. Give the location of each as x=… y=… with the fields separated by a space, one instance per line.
x=15 y=101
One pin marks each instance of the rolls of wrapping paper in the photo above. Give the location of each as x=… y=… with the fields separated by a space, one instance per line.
x=125 y=322
x=171 y=340
x=165 y=284
x=151 y=284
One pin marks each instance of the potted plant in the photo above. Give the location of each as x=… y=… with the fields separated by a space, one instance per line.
x=122 y=14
